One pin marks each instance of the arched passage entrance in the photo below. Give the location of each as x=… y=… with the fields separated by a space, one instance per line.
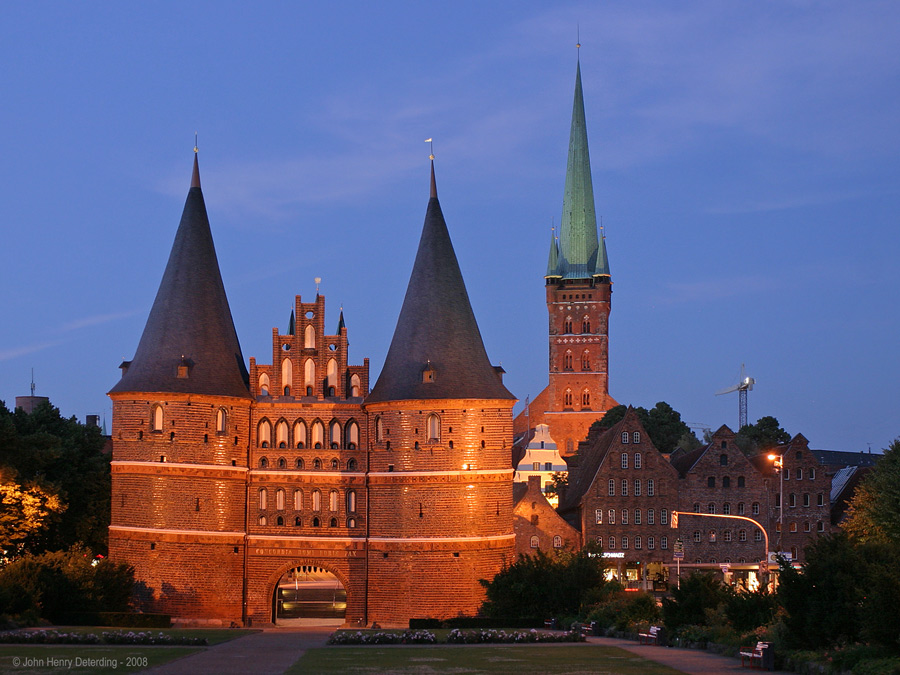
x=307 y=595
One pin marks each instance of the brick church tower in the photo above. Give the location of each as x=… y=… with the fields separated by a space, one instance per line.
x=440 y=420
x=579 y=291
x=181 y=420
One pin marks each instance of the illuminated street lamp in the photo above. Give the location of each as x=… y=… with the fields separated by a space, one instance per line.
x=778 y=463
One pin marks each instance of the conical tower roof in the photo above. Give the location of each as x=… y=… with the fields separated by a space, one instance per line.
x=189 y=344
x=553 y=258
x=437 y=351
x=578 y=242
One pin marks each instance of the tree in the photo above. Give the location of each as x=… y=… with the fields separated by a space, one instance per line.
x=24 y=513
x=697 y=593
x=874 y=513
x=543 y=585
x=62 y=458
x=662 y=422
x=762 y=436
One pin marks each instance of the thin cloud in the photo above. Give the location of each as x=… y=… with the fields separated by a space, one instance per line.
x=8 y=354
x=96 y=320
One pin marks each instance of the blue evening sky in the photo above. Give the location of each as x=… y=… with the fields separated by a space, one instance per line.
x=745 y=163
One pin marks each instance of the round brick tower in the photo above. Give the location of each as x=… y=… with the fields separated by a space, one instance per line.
x=440 y=423
x=181 y=418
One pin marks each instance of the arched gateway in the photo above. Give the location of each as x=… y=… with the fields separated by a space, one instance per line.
x=306 y=594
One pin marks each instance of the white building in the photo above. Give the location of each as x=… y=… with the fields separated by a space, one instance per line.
x=541 y=459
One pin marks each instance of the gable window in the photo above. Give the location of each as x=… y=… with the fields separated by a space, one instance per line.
x=711 y=482
x=637 y=516
x=535 y=542
x=624 y=542
x=612 y=487
x=651 y=487
x=726 y=482
x=755 y=509
x=625 y=440
x=741 y=481
x=710 y=508
x=651 y=542
x=805 y=499
x=697 y=536
x=624 y=516
x=664 y=543
x=611 y=517
x=557 y=541
x=664 y=516
x=624 y=460
x=637 y=458
x=637 y=487
x=636 y=438
x=740 y=508
x=812 y=474
x=598 y=515
x=820 y=499
x=624 y=487
x=723 y=459
x=726 y=509
x=651 y=515
x=612 y=543
x=637 y=542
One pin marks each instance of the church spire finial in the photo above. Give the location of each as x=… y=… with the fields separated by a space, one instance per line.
x=431 y=157
x=195 y=177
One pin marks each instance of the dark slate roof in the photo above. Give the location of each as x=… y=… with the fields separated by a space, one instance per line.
x=519 y=491
x=684 y=463
x=190 y=322
x=841 y=458
x=437 y=329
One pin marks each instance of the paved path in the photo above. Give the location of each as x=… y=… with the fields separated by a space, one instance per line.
x=691 y=661
x=274 y=650
x=270 y=652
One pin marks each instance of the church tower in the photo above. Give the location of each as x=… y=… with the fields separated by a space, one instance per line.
x=181 y=418
x=579 y=291
x=440 y=420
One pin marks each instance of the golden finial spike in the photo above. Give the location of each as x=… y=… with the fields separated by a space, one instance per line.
x=196 y=148
x=431 y=141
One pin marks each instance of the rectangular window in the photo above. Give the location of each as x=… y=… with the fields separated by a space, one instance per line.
x=799 y=474
x=637 y=516
x=663 y=516
x=624 y=460
x=611 y=517
x=624 y=542
x=697 y=536
x=741 y=508
x=548 y=466
x=792 y=500
x=651 y=488
x=805 y=499
x=755 y=508
x=777 y=501
x=651 y=542
x=664 y=543
x=820 y=499
x=757 y=536
x=536 y=466
x=625 y=439
x=778 y=526
x=650 y=516
x=637 y=487
x=637 y=458
x=599 y=515
x=806 y=527
x=726 y=535
x=624 y=487
x=793 y=527
x=624 y=516
x=726 y=509
x=612 y=543
x=820 y=526
x=636 y=438
x=637 y=542
x=612 y=488
x=812 y=474
x=787 y=474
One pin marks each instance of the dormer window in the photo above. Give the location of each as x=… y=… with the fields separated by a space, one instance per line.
x=184 y=368
x=428 y=373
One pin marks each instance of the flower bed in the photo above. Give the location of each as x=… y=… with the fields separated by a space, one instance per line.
x=419 y=637
x=457 y=636
x=52 y=637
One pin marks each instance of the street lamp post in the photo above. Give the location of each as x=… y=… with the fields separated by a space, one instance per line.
x=778 y=463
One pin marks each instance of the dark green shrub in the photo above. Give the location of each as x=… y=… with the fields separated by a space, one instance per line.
x=115 y=619
x=687 y=606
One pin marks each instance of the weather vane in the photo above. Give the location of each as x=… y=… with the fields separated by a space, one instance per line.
x=577 y=36
x=431 y=141
x=196 y=149
x=318 y=281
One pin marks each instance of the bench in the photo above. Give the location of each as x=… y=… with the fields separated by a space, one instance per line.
x=550 y=624
x=589 y=629
x=758 y=654
x=651 y=637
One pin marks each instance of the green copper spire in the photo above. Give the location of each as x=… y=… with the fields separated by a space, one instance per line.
x=553 y=259
x=578 y=243
x=601 y=269
x=341 y=323
x=291 y=324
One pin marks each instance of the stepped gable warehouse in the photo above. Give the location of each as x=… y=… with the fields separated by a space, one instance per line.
x=232 y=490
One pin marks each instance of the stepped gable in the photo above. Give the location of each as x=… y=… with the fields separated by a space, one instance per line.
x=189 y=344
x=590 y=459
x=437 y=351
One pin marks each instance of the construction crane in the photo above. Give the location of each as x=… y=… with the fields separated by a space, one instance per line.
x=742 y=387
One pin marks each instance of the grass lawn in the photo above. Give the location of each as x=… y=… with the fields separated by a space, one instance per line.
x=518 y=659
x=44 y=659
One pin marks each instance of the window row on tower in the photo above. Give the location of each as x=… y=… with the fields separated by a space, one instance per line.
x=314 y=503
x=300 y=435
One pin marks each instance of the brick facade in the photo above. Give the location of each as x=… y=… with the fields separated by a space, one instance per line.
x=537 y=524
